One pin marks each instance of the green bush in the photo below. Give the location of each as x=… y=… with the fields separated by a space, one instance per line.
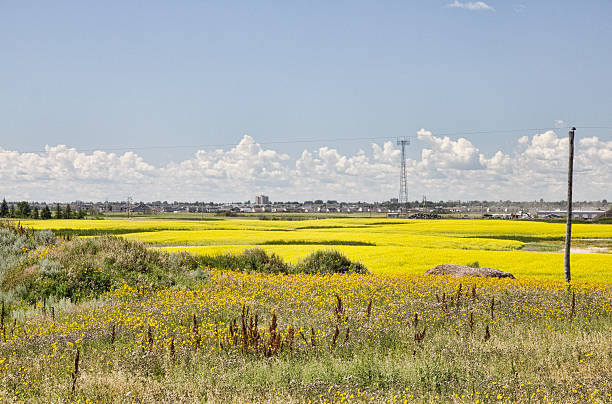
x=44 y=238
x=251 y=260
x=257 y=260
x=329 y=262
x=83 y=267
x=12 y=242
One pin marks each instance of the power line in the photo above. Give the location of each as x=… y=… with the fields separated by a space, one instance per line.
x=329 y=140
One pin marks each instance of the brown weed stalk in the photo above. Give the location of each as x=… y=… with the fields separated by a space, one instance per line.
x=75 y=373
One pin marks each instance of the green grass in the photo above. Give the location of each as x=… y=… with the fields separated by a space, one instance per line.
x=142 y=345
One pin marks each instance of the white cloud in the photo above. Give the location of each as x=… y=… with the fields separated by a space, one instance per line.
x=445 y=169
x=471 y=5
x=448 y=154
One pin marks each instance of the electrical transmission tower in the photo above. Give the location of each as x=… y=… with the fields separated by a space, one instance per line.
x=403 y=193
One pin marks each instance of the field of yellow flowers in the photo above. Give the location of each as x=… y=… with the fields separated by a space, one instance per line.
x=383 y=245
x=237 y=337
x=393 y=335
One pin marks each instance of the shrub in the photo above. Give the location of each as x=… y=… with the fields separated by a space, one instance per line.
x=251 y=260
x=12 y=242
x=328 y=262
x=49 y=268
x=44 y=238
x=85 y=267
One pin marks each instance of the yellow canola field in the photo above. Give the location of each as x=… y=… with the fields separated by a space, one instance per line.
x=401 y=246
x=454 y=228
x=416 y=260
x=337 y=236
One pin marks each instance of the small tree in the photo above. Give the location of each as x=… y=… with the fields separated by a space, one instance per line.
x=11 y=211
x=81 y=214
x=46 y=213
x=58 y=211
x=4 y=209
x=67 y=212
x=23 y=209
x=35 y=213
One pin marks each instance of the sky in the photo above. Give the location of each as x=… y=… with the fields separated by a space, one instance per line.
x=220 y=101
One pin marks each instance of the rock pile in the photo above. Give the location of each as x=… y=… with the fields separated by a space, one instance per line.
x=464 y=270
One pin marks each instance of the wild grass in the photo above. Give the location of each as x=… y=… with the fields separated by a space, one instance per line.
x=295 y=338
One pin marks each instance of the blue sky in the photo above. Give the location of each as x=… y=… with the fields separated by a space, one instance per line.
x=98 y=75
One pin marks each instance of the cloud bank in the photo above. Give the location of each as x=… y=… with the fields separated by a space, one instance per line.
x=471 y=5
x=446 y=169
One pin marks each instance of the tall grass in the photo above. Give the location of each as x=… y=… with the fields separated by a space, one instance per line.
x=294 y=338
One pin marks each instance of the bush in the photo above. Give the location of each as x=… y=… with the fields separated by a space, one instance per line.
x=329 y=262
x=257 y=260
x=44 y=238
x=86 y=267
x=50 y=268
x=12 y=242
x=251 y=260
x=123 y=260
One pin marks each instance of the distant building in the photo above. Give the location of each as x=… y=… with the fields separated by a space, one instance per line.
x=262 y=200
x=581 y=214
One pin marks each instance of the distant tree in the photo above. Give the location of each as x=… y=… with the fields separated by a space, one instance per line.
x=23 y=209
x=604 y=202
x=81 y=214
x=11 y=211
x=4 y=209
x=58 y=211
x=67 y=212
x=35 y=213
x=46 y=213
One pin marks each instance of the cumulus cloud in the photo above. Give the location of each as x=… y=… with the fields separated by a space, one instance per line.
x=445 y=153
x=471 y=5
x=445 y=169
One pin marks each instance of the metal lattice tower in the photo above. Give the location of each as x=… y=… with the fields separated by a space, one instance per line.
x=403 y=193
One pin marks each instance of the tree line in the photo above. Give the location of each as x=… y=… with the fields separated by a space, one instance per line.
x=23 y=210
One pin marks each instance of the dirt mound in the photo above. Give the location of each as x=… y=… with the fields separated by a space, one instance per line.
x=464 y=270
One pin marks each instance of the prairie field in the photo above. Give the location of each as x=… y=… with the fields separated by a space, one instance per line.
x=299 y=338
x=385 y=246
x=133 y=315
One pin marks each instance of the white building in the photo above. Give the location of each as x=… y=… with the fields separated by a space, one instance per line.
x=262 y=200
x=581 y=214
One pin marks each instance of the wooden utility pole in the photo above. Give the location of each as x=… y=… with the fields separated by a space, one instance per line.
x=129 y=206
x=568 y=231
